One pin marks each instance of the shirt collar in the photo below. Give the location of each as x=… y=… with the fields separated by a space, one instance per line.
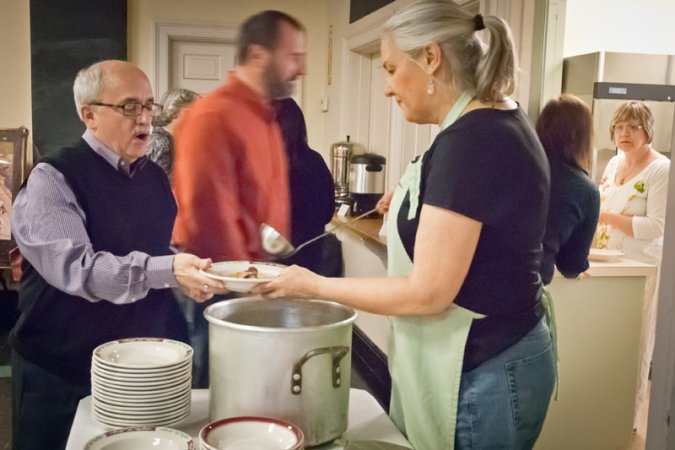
x=258 y=102
x=113 y=158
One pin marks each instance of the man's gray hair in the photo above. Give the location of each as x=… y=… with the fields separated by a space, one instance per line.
x=87 y=86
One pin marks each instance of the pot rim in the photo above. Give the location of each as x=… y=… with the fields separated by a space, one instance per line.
x=216 y=321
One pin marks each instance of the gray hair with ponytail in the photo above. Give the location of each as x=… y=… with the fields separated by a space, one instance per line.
x=487 y=71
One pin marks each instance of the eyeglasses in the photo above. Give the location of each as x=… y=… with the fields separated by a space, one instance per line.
x=623 y=127
x=134 y=109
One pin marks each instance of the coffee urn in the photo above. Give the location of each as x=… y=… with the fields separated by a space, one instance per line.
x=366 y=182
x=341 y=153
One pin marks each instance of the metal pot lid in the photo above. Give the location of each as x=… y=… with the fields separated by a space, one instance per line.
x=369 y=159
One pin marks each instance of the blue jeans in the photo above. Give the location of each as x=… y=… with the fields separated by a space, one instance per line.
x=503 y=402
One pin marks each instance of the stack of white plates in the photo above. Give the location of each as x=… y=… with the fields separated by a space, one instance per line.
x=141 y=382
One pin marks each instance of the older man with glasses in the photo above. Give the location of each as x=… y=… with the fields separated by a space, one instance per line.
x=94 y=224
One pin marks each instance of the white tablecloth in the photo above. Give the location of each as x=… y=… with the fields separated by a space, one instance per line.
x=367 y=421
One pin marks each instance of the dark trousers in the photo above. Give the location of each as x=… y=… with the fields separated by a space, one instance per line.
x=43 y=407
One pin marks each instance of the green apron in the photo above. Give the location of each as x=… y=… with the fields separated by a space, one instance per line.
x=425 y=352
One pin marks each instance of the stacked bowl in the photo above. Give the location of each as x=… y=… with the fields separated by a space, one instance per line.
x=141 y=382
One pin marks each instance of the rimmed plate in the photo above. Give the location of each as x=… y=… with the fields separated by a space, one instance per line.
x=142 y=438
x=604 y=254
x=142 y=353
x=149 y=418
x=140 y=413
x=142 y=397
x=146 y=393
x=226 y=271
x=251 y=432
x=146 y=385
x=111 y=405
x=154 y=422
x=102 y=367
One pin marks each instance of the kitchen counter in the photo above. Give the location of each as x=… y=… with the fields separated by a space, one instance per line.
x=369 y=229
x=367 y=421
x=365 y=228
x=619 y=267
x=598 y=319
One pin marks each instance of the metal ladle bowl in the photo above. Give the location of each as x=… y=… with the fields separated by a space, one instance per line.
x=275 y=244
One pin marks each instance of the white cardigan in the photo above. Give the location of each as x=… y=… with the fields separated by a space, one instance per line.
x=644 y=197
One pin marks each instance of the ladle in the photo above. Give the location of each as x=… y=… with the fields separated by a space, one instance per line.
x=275 y=244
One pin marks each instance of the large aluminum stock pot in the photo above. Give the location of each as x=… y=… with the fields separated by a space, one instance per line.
x=287 y=358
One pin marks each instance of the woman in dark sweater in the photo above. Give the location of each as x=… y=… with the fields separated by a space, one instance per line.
x=565 y=130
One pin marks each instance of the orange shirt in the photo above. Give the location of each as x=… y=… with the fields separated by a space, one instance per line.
x=229 y=175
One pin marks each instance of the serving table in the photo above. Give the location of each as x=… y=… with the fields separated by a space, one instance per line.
x=367 y=421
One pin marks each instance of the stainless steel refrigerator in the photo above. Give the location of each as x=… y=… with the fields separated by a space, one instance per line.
x=605 y=80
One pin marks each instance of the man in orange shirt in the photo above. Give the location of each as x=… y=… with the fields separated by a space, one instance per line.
x=230 y=171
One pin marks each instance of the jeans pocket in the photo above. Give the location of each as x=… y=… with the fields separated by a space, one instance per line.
x=531 y=381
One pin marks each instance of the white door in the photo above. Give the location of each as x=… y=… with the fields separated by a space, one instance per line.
x=198 y=57
x=200 y=66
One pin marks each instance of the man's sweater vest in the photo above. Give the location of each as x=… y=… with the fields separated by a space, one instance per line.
x=59 y=331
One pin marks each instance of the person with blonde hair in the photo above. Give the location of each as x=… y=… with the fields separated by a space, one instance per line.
x=633 y=196
x=470 y=352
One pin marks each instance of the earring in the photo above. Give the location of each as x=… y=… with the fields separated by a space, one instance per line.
x=430 y=86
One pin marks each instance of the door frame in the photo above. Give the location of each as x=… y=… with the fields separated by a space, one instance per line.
x=165 y=33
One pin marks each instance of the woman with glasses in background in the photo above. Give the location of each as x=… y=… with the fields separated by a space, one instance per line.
x=633 y=192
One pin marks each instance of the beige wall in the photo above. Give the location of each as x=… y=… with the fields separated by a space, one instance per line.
x=15 y=87
x=145 y=14
x=338 y=17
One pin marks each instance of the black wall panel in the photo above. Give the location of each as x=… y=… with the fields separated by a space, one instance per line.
x=361 y=8
x=67 y=35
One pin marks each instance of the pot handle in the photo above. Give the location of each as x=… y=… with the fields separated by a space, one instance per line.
x=338 y=353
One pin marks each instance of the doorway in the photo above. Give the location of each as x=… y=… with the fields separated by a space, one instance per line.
x=198 y=57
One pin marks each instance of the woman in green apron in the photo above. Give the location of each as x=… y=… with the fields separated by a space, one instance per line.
x=469 y=355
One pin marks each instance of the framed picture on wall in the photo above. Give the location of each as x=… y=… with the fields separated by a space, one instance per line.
x=13 y=156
